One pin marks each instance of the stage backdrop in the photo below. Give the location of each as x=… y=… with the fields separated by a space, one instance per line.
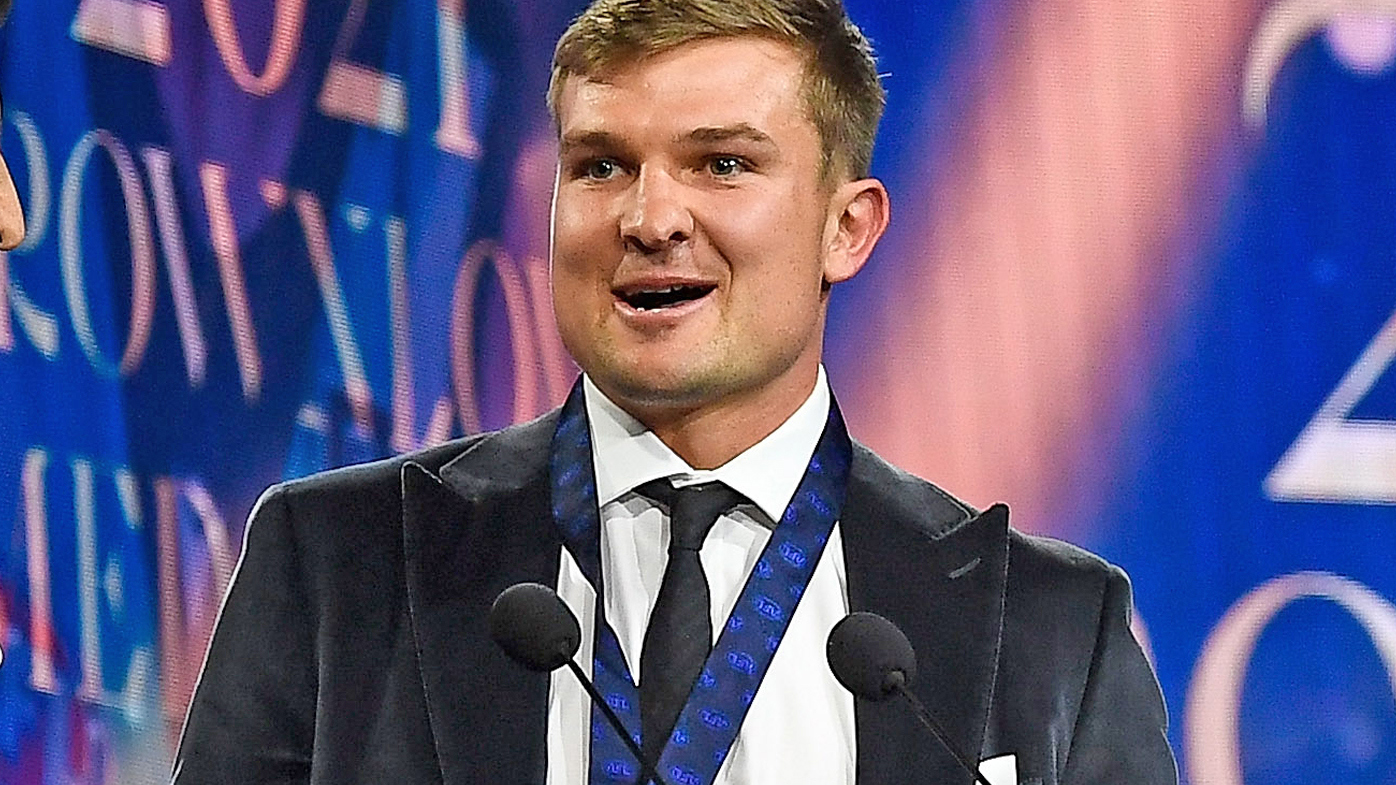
x=1141 y=284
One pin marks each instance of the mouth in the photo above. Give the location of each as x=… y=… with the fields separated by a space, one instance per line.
x=659 y=298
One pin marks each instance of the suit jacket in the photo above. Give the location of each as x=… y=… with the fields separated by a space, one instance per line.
x=352 y=646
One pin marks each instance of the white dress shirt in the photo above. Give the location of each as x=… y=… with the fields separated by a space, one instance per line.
x=800 y=725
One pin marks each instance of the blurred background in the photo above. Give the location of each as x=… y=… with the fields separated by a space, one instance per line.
x=1140 y=284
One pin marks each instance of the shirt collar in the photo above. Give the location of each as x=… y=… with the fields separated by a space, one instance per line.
x=627 y=454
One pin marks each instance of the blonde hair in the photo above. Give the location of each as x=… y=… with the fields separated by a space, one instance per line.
x=842 y=92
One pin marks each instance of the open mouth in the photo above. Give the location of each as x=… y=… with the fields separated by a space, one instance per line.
x=665 y=297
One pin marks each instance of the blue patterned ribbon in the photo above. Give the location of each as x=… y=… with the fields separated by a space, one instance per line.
x=709 y=722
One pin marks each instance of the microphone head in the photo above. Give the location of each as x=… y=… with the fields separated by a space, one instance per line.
x=534 y=627
x=870 y=656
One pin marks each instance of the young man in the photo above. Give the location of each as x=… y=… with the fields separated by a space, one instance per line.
x=712 y=187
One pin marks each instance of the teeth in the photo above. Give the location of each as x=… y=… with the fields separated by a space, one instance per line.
x=664 y=297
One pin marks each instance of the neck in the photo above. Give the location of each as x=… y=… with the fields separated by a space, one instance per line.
x=708 y=436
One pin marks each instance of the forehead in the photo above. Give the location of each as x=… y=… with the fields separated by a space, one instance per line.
x=712 y=83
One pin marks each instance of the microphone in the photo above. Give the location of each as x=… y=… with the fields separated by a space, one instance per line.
x=871 y=657
x=538 y=631
x=534 y=627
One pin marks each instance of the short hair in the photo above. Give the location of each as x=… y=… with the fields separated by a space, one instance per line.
x=843 y=95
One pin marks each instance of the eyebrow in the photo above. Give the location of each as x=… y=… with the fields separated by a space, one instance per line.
x=728 y=133
x=589 y=139
x=702 y=135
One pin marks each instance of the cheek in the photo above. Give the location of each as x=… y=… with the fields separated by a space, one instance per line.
x=780 y=263
x=583 y=246
x=580 y=221
x=771 y=224
x=775 y=304
x=572 y=310
x=577 y=287
x=582 y=299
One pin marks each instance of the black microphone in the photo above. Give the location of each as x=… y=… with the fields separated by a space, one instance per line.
x=871 y=658
x=534 y=627
x=538 y=631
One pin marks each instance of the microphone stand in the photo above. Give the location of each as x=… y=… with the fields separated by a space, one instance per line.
x=647 y=771
x=897 y=683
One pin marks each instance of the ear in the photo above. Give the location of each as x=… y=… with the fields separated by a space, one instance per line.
x=858 y=215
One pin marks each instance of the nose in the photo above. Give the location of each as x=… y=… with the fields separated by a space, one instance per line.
x=11 y=217
x=655 y=217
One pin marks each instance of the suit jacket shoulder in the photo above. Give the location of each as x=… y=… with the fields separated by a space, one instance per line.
x=881 y=491
x=516 y=450
x=315 y=649
x=1045 y=667
x=358 y=508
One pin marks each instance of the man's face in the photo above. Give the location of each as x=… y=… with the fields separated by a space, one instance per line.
x=690 y=227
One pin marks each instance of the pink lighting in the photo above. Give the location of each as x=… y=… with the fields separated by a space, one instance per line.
x=1364 y=43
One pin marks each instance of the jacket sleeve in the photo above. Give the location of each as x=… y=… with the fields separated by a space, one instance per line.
x=1121 y=728
x=253 y=711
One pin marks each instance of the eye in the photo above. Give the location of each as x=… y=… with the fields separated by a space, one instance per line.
x=600 y=169
x=726 y=165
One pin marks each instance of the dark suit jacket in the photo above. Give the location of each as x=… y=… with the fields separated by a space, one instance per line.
x=352 y=647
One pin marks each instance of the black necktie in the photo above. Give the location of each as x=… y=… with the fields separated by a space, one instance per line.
x=679 y=635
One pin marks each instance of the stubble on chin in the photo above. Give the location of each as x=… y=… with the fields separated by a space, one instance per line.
x=681 y=380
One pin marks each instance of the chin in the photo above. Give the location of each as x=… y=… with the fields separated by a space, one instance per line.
x=661 y=388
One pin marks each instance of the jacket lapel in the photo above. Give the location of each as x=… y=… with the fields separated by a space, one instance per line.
x=479 y=525
x=936 y=570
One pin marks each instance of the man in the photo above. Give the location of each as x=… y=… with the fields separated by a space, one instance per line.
x=712 y=187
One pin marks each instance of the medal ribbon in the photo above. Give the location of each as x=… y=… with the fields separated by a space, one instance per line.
x=709 y=722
